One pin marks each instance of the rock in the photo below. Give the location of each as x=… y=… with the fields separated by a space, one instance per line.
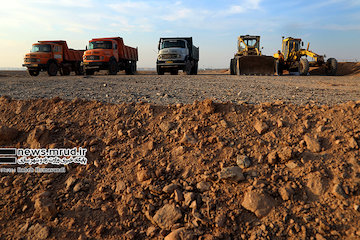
x=312 y=144
x=130 y=234
x=339 y=191
x=39 y=231
x=223 y=123
x=272 y=157
x=243 y=161
x=69 y=183
x=189 y=197
x=178 y=151
x=316 y=184
x=166 y=126
x=188 y=138
x=7 y=134
x=285 y=154
x=232 y=173
x=261 y=127
x=170 y=188
x=220 y=220
x=357 y=207
x=44 y=206
x=291 y=164
x=318 y=236
x=353 y=144
x=178 y=195
x=120 y=186
x=280 y=123
x=180 y=234
x=150 y=232
x=258 y=202
x=79 y=186
x=203 y=186
x=286 y=192
x=132 y=132
x=38 y=137
x=143 y=175
x=167 y=216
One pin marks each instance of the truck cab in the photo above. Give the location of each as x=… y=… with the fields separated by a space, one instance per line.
x=177 y=54
x=109 y=54
x=41 y=56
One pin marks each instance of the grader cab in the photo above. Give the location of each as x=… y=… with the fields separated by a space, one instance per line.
x=248 y=60
x=295 y=58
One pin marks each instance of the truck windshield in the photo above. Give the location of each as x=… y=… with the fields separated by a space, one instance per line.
x=41 y=48
x=172 y=44
x=100 y=45
x=251 y=43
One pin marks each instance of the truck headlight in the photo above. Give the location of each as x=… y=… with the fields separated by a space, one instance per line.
x=160 y=57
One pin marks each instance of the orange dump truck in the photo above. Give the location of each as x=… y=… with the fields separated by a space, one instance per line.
x=53 y=57
x=109 y=54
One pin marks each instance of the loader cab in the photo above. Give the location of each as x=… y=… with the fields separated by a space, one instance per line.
x=249 y=44
x=290 y=45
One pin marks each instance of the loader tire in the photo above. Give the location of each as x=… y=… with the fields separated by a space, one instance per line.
x=237 y=67
x=53 y=69
x=303 y=67
x=279 y=68
x=331 y=67
x=232 y=67
x=33 y=73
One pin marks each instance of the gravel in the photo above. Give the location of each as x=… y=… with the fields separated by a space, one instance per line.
x=169 y=89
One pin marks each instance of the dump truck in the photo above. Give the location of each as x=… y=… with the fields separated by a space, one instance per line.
x=295 y=58
x=248 y=60
x=176 y=54
x=53 y=57
x=109 y=54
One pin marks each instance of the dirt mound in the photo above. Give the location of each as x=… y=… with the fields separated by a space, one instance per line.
x=198 y=171
x=344 y=69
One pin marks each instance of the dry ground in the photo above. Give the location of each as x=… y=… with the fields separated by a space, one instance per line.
x=188 y=170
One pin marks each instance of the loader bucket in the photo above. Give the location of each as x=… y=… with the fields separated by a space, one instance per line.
x=257 y=65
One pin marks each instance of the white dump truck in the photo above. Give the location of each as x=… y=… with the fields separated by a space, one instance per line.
x=177 y=54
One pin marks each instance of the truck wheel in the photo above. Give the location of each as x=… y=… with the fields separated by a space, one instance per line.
x=188 y=68
x=195 y=69
x=131 y=68
x=52 y=69
x=113 y=67
x=232 y=68
x=89 y=71
x=65 y=71
x=237 y=66
x=174 y=72
x=79 y=70
x=303 y=67
x=33 y=72
x=160 y=71
x=331 y=67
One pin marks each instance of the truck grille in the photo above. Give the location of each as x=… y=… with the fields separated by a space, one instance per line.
x=93 y=57
x=169 y=56
x=30 y=59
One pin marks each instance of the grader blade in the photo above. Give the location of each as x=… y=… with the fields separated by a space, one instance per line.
x=256 y=65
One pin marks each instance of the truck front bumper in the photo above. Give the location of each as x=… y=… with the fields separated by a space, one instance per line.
x=178 y=64
x=95 y=65
x=34 y=66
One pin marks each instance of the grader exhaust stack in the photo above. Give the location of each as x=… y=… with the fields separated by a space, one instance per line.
x=249 y=61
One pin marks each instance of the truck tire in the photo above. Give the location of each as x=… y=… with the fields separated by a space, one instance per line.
x=53 y=69
x=159 y=70
x=195 y=69
x=237 y=66
x=131 y=68
x=89 y=71
x=303 y=67
x=79 y=70
x=174 y=72
x=232 y=67
x=188 y=68
x=113 y=67
x=331 y=67
x=33 y=73
x=65 y=71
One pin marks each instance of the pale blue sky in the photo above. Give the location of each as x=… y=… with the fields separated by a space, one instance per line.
x=331 y=26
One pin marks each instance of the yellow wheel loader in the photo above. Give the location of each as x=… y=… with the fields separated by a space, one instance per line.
x=294 y=58
x=249 y=61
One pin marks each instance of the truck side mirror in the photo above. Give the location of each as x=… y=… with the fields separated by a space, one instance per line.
x=86 y=47
x=302 y=43
x=159 y=46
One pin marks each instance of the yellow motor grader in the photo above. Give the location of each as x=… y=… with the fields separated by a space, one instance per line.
x=248 y=60
x=295 y=58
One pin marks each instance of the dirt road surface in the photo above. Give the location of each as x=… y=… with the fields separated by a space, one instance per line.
x=168 y=89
